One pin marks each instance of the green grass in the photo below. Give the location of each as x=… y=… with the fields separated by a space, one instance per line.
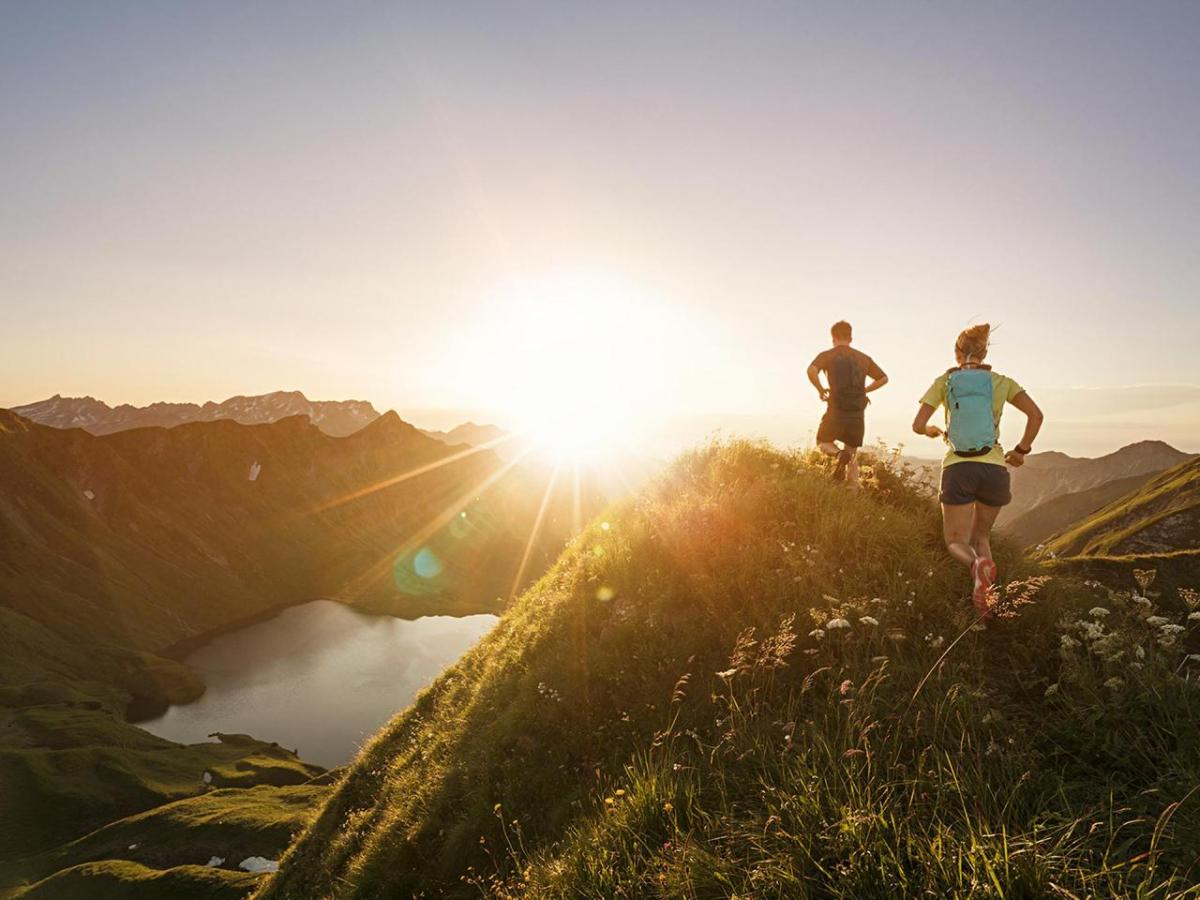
x=121 y=880
x=654 y=718
x=231 y=824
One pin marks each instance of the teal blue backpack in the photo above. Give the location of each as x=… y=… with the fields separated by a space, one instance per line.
x=972 y=428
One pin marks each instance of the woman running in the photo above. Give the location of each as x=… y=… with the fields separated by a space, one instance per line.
x=975 y=482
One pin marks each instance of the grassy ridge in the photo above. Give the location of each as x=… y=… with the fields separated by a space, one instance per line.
x=1161 y=516
x=1064 y=512
x=654 y=718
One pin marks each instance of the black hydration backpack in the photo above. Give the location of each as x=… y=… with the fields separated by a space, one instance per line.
x=847 y=381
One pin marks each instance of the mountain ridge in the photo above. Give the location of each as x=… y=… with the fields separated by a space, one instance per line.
x=335 y=417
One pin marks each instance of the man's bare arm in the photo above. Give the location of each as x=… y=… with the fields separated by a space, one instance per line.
x=814 y=375
x=877 y=383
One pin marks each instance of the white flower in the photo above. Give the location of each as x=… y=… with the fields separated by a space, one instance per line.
x=1114 y=683
x=1194 y=616
x=1157 y=620
x=869 y=620
x=1193 y=657
x=1141 y=601
x=817 y=633
x=1098 y=611
x=1139 y=652
x=1053 y=689
x=1171 y=629
x=1067 y=642
x=833 y=624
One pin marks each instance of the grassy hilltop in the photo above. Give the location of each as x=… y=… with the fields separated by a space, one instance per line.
x=748 y=682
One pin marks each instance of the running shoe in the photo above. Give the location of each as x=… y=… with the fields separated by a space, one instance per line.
x=983 y=570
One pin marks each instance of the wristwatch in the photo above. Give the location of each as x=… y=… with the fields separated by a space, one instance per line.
x=1024 y=451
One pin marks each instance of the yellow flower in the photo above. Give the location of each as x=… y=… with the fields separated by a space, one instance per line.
x=620 y=792
x=668 y=807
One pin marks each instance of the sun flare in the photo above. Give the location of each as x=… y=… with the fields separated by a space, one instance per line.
x=578 y=363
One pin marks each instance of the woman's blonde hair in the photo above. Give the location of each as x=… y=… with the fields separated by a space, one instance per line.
x=972 y=343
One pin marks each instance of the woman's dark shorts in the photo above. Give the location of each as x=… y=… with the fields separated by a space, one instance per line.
x=840 y=426
x=971 y=482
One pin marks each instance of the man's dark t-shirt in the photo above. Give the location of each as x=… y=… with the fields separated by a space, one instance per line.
x=838 y=423
x=864 y=365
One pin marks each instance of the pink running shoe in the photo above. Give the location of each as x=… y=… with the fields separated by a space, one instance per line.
x=984 y=571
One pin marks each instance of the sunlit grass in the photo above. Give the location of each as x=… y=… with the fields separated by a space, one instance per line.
x=624 y=732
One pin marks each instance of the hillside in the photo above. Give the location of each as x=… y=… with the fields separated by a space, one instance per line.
x=117 y=552
x=1052 y=474
x=1162 y=516
x=334 y=417
x=1064 y=511
x=747 y=682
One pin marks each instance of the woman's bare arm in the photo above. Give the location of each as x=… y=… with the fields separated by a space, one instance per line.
x=921 y=422
x=1033 y=424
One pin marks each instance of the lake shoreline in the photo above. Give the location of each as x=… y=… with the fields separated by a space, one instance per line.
x=321 y=675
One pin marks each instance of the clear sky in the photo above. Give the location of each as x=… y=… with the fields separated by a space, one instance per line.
x=447 y=205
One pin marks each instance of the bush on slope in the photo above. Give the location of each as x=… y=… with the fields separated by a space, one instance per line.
x=623 y=732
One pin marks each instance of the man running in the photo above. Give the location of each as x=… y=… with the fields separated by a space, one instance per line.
x=847 y=371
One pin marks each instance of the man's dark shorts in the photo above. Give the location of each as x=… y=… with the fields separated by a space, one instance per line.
x=842 y=426
x=971 y=482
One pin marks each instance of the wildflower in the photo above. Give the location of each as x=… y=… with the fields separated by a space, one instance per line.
x=1171 y=629
x=1193 y=657
x=620 y=792
x=817 y=633
x=496 y=808
x=833 y=624
x=1053 y=689
x=1190 y=598
x=869 y=620
x=846 y=687
x=1114 y=683
x=1194 y=616
x=1144 y=578
x=1098 y=611
x=609 y=801
x=1142 y=601
x=1156 y=621
x=1066 y=642
x=668 y=807
x=1139 y=652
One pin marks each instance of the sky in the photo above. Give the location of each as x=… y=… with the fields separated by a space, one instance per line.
x=469 y=210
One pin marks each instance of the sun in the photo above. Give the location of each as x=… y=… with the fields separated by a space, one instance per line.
x=578 y=363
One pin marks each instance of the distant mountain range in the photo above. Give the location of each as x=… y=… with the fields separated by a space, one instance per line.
x=1046 y=476
x=1060 y=513
x=335 y=417
x=1161 y=516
